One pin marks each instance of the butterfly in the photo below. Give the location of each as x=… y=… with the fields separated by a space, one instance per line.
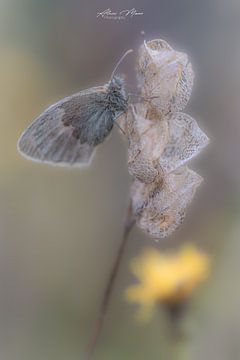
x=67 y=132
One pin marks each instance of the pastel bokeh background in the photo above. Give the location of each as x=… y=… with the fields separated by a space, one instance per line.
x=60 y=228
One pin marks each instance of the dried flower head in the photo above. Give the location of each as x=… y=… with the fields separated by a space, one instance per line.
x=165 y=77
x=160 y=208
x=162 y=140
x=166 y=143
x=168 y=278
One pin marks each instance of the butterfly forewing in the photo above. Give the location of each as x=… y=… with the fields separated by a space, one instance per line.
x=65 y=132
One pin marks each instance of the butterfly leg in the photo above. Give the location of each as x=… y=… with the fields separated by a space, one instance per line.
x=121 y=129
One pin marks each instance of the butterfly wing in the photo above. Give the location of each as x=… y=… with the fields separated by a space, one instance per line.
x=62 y=134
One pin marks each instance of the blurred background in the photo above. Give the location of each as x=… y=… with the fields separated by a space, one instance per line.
x=60 y=228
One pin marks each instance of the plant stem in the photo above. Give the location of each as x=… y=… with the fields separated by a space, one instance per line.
x=176 y=334
x=109 y=288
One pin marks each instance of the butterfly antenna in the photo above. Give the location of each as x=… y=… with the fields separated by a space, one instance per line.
x=119 y=62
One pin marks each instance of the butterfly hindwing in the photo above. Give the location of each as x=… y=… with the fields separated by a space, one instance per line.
x=66 y=132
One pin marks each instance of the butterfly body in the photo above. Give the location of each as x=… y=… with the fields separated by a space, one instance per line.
x=68 y=131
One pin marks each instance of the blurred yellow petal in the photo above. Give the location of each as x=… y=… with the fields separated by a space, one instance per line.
x=167 y=278
x=137 y=293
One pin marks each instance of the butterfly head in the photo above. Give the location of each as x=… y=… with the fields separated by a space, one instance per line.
x=116 y=83
x=117 y=95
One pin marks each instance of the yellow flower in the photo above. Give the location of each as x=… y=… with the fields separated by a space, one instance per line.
x=168 y=278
